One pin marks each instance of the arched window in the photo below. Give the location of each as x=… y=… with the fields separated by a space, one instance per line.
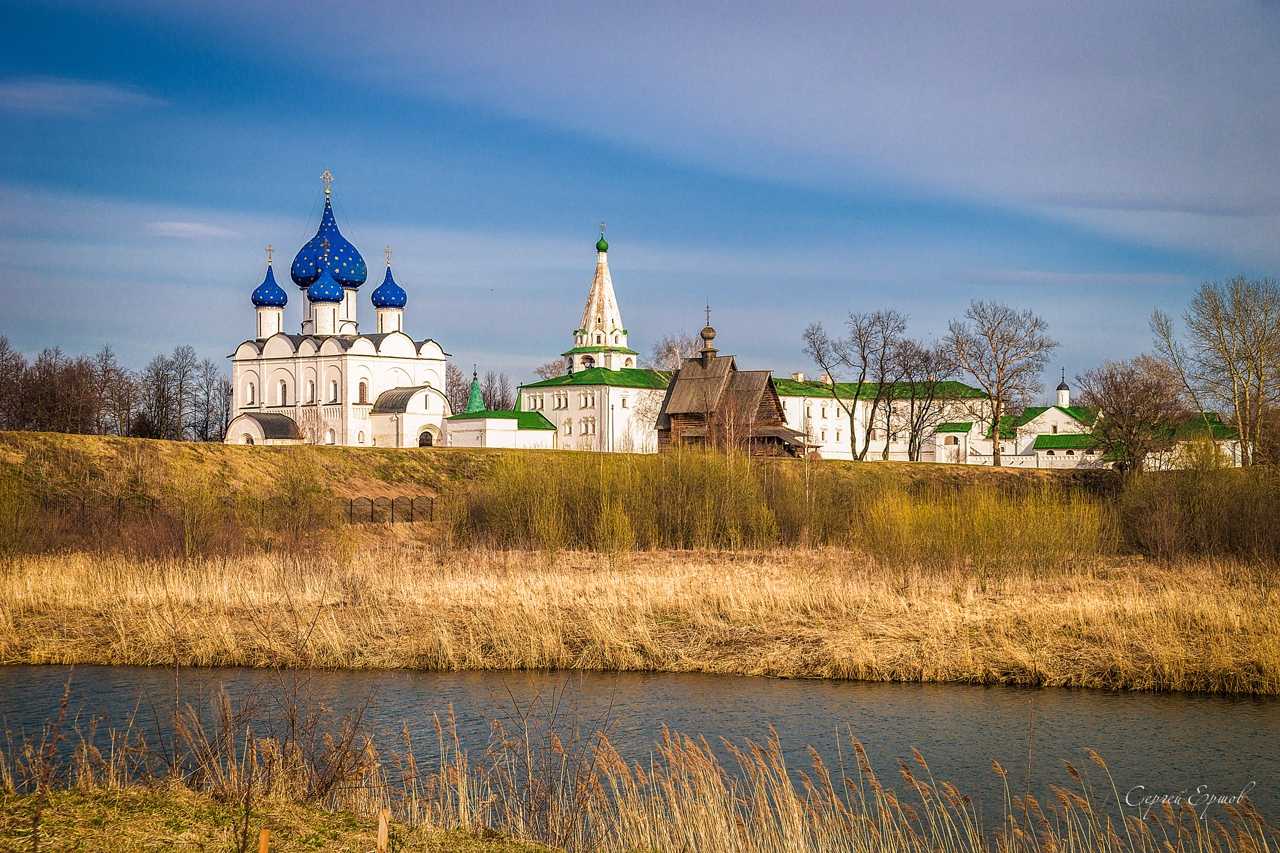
x=284 y=393
x=246 y=439
x=364 y=391
x=333 y=391
x=1071 y=453
x=1049 y=452
x=588 y=362
x=248 y=394
x=629 y=363
x=311 y=391
x=360 y=437
x=330 y=437
x=426 y=439
x=616 y=339
x=568 y=427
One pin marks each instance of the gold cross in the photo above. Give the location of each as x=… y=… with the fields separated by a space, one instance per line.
x=386 y=253
x=327 y=177
x=268 y=254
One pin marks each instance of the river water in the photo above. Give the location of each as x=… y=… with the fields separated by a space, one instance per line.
x=1164 y=743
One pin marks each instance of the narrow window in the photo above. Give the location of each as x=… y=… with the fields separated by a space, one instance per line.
x=284 y=393
x=333 y=392
x=249 y=394
x=364 y=391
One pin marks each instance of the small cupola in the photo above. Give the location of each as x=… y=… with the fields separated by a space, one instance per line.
x=269 y=294
x=1064 y=391
x=389 y=299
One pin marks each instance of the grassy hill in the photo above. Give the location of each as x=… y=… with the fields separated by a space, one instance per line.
x=91 y=463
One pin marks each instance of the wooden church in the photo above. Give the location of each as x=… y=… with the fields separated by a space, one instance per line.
x=711 y=403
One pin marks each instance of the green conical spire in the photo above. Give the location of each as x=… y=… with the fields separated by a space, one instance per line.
x=475 y=402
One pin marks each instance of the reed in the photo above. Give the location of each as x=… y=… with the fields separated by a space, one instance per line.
x=826 y=613
x=694 y=500
x=581 y=795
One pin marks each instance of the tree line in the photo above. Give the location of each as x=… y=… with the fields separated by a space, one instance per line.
x=1223 y=359
x=176 y=396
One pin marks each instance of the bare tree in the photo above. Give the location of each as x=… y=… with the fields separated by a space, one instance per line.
x=866 y=354
x=922 y=369
x=183 y=368
x=550 y=370
x=1004 y=350
x=206 y=403
x=495 y=388
x=670 y=351
x=13 y=365
x=1232 y=353
x=158 y=415
x=1139 y=405
x=456 y=388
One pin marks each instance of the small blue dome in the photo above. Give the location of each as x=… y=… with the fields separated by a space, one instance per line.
x=269 y=294
x=325 y=288
x=389 y=294
x=344 y=260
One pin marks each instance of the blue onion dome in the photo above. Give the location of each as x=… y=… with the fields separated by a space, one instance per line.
x=325 y=288
x=344 y=260
x=389 y=294
x=269 y=294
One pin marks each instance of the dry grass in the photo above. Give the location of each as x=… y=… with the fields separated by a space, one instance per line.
x=1105 y=622
x=174 y=817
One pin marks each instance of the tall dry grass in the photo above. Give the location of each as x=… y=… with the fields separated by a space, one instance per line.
x=580 y=795
x=830 y=613
x=700 y=500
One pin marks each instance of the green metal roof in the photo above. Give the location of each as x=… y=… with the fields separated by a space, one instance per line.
x=524 y=420
x=1009 y=424
x=601 y=348
x=627 y=377
x=955 y=426
x=1065 y=441
x=948 y=390
x=1195 y=427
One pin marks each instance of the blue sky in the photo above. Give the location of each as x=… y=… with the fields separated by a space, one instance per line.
x=784 y=162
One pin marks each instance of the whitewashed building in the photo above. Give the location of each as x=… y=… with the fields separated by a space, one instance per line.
x=604 y=401
x=1061 y=436
x=811 y=409
x=330 y=383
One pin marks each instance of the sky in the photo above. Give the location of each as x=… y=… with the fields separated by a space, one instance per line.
x=784 y=163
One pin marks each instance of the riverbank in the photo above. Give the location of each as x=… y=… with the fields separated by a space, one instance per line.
x=1114 y=623
x=172 y=817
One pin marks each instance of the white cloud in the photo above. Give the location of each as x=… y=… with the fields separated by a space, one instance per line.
x=71 y=98
x=191 y=230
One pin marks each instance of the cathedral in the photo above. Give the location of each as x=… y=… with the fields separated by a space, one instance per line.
x=330 y=383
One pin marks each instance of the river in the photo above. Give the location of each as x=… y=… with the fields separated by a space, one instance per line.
x=1164 y=743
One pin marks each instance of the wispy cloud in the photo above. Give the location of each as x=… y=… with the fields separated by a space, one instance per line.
x=191 y=230
x=72 y=98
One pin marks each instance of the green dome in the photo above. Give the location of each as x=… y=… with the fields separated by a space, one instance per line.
x=602 y=245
